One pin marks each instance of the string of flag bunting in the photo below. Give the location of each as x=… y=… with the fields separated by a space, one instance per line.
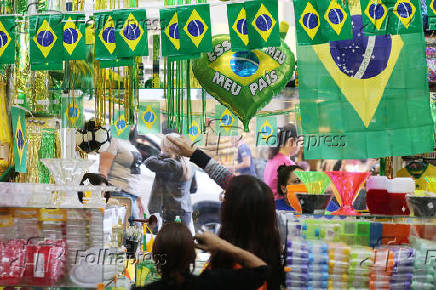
x=120 y=35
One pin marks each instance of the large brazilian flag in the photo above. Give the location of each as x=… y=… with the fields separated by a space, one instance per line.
x=366 y=97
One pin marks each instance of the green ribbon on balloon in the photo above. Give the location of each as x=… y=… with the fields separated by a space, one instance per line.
x=316 y=182
x=244 y=81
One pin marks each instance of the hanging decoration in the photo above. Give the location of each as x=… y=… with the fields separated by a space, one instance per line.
x=74 y=40
x=194 y=131
x=355 y=90
x=120 y=127
x=262 y=23
x=149 y=118
x=226 y=122
x=20 y=141
x=131 y=37
x=244 y=81
x=7 y=36
x=266 y=131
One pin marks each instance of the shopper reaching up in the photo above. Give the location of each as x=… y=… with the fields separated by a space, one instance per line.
x=248 y=216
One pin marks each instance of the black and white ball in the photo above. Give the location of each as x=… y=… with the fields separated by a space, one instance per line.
x=93 y=138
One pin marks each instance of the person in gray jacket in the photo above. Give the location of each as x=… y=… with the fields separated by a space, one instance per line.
x=173 y=183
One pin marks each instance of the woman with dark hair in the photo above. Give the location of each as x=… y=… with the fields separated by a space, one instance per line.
x=174 y=255
x=93 y=179
x=248 y=216
x=280 y=155
x=286 y=176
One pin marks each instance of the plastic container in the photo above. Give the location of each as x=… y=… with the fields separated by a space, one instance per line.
x=398 y=188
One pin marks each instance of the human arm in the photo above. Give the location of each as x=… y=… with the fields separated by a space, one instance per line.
x=220 y=174
x=106 y=159
x=245 y=154
x=163 y=164
x=246 y=163
x=209 y=242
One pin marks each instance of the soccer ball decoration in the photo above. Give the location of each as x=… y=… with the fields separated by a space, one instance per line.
x=93 y=138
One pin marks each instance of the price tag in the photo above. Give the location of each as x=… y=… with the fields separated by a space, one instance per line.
x=18 y=101
x=43 y=102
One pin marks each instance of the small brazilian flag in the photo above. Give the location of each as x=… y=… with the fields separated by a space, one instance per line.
x=336 y=20
x=405 y=17
x=20 y=142
x=431 y=13
x=74 y=37
x=7 y=39
x=266 y=131
x=149 y=115
x=105 y=44
x=46 y=49
x=308 y=22
x=119 y=128
x=237 y=20
x=226 y=122
x=72 y=112
x=192 y=130
x=195 y=29
x=262 y=23
x=170 y=37
x=131 y=32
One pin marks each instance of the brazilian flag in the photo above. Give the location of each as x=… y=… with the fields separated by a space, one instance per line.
x=170 y=34
x=72 y=112
x=18 y=117
x=120 y=128
x=74 y=37
x=262 y=23
x=237 y=20
x=105 y=44
x=149 y=114
x=226 y=122
x=46 y=49
x=266 y=131
x=431 y=13
x=336 y=20
x=365 y=98
x=192 y=130
x=195 y=29
x=131 y=32
x=7 y=39
x=391 y=16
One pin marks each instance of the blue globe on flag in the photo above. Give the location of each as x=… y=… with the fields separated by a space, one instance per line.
x=244 y=63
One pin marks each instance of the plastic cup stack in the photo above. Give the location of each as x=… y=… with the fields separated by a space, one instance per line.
x=76 y=235
x=96 y=235
x=308 y=264
x=404 y=259
x=424 y=272
x=339 y=254
x=381 y=272
x=361 y=261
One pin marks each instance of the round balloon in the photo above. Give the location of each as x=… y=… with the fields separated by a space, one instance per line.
x=244 y=81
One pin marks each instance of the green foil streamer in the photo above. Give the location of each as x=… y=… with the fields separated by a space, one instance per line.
x=47 y=150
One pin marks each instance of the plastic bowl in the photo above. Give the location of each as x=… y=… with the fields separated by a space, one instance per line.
x=422 y=206
x=313 y=202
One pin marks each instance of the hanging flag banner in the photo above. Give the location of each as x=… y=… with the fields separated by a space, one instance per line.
x=46 y=49
x=72 y=112
x=336 y=20
x=149 y=122
x=105 y=44
x=226 y=122
x=391 y=16
x=262 y=23
x=237 y=20
x=7 y=39
x=119 y=128
x=170 y=36
x=308 y=22
x=74 y=37
x=195 y=29
x=131 y=36
x=18 y=117
x=193 y=131
x=431 y=13
x=266 y=131
x=368 y=96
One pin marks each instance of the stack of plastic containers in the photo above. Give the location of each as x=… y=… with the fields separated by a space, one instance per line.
x=308 y=264
x=425 y=265
x=96 y=237
x=361 y=261
x=381 y=272
x=339 y=254
x=404 y=259
x=76 y=235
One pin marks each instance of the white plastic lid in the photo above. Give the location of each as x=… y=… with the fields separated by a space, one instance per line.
x=401 y=185
x=377 y=182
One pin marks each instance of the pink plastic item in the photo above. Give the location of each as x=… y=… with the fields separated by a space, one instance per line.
x=347 y=184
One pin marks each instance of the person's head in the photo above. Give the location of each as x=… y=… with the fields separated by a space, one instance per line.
x=286 y=176
x=249 y=221
x=287 y=141
x=93 y=179
x=174 y=250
